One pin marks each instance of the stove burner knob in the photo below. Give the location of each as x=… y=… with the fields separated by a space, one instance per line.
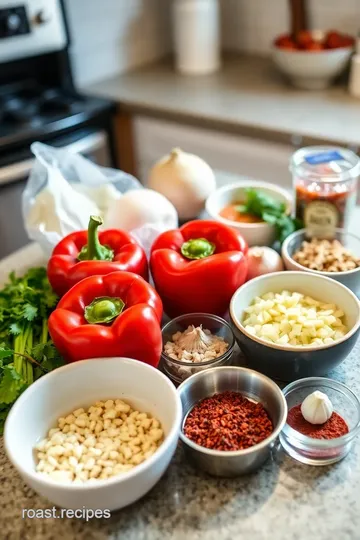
x=13 y=22
x=42 y=17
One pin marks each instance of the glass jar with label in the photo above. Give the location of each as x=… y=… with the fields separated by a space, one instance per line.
x=325 y=182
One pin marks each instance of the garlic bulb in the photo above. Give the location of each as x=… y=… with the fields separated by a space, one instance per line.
x=185 y=179
x=316 y=408
x=195 y=340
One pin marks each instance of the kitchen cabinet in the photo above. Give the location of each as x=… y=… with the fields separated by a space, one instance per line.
x=231 y=156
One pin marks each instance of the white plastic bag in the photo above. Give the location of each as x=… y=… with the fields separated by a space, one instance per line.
x=63 y=190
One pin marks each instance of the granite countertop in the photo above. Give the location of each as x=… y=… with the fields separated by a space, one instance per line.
x=284 y=500
x=248 y=96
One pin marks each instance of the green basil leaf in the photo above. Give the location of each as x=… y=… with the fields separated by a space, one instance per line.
x=269 y=218
x=241 y=208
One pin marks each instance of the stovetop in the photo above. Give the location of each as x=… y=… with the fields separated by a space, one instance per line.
x=37 y=106
x=30 y=111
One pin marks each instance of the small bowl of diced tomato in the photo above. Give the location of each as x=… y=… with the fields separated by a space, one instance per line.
x=227 y=205
x=313 y=59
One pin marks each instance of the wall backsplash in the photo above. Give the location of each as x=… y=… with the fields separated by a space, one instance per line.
x=251 y=25
x=111 y=36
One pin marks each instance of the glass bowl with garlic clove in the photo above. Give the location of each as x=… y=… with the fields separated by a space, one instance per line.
x=318 y=443
x=194 y=342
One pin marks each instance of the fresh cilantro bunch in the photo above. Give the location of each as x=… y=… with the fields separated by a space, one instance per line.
x=26 y=352
x=271 y=211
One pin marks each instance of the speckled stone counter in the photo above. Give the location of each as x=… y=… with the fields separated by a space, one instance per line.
x=247 y=96
x=285 y=500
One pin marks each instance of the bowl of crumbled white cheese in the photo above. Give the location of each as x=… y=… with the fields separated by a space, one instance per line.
x=194 y=342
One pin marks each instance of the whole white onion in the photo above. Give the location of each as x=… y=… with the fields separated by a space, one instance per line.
x=185 y=179
x=263 y=260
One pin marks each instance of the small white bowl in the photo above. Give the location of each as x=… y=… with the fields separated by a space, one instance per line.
x=312 y=70
x=255 y=234
x=79 y=385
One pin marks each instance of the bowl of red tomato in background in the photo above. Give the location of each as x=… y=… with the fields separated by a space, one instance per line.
x=223 y=205
x=314 y=59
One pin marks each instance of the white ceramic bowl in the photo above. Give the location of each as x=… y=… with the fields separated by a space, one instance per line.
x=312 y=70
x=350 y=279
x=255 y=234
x=81 y=384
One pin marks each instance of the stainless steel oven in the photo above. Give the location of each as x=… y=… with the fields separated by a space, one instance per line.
x=39 y=102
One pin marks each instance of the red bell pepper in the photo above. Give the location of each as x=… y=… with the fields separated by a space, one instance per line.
x=88 y=253
x=198 y=267
x=114 y=315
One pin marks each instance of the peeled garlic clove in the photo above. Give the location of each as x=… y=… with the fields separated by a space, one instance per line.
x=317 y=408
x=194 y=340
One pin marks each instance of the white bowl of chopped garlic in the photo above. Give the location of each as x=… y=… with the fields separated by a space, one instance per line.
x=97 y=434
x=291 y=325
x=337 y=258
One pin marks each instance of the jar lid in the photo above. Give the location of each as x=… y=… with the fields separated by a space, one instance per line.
x=325 y=163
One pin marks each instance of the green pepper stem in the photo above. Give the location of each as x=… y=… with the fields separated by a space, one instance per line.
x=94 y=247
x=93 y=250
x=103 y=309
x=197 y=248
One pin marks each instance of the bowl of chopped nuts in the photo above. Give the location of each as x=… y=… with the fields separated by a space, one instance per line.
x=338 y=258
x=292 y=325
x=96 y=433
x=194 y=342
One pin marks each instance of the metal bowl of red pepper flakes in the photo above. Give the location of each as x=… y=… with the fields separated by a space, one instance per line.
x=247 y=384
x=324 y=451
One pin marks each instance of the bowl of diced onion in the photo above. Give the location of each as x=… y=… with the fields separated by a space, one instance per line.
x=291 y=325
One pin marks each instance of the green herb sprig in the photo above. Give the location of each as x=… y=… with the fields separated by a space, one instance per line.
x=271 y=211
x=26 y=352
